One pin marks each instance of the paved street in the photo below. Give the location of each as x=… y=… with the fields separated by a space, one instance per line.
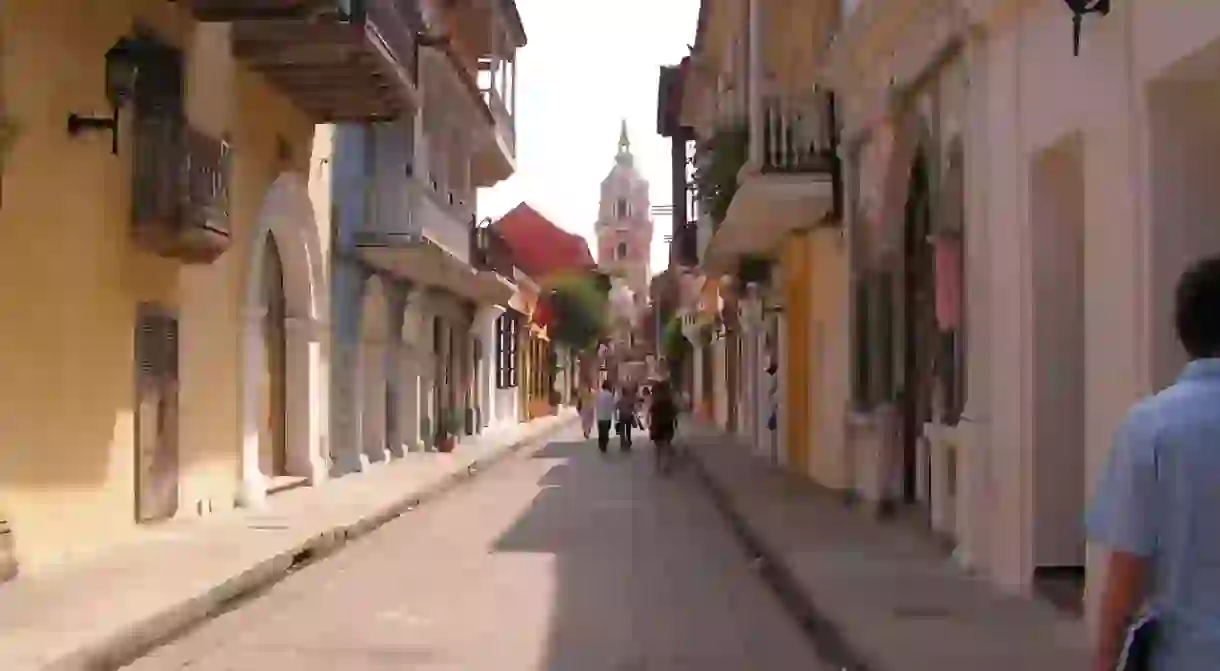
x=558 y=559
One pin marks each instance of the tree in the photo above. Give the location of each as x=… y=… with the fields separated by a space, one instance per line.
x=676 y=349
x=578 y=308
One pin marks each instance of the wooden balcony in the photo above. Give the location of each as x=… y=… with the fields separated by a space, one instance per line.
x=180 y=190
x=339 y=60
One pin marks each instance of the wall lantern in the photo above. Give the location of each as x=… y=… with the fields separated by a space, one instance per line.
x=1079 y=8
x=122 y=70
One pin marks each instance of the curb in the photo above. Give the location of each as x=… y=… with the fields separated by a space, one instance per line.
x=827 y=637
x=120 y=648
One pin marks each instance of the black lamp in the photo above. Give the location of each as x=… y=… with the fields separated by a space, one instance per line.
x=122 y=70
x=1079 y=8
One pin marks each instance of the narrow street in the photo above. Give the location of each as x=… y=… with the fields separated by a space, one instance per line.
x=559 y=559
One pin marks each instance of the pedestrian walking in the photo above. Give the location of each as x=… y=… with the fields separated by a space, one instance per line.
x=604 y=407
x=588 y=413
x=662 y=424
x=628 y=405
x=1155 y=507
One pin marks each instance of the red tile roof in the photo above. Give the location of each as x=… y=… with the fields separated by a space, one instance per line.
x=539 y=247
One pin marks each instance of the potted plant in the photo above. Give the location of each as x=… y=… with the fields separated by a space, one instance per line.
x=447 y=428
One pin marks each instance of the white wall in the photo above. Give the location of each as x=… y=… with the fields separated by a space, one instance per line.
x=1057 y=257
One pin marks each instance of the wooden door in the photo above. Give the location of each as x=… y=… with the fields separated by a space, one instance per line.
x=274 y=458
x=156 y=418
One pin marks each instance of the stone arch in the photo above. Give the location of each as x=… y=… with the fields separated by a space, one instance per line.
x=287 y=219
x=373 y=357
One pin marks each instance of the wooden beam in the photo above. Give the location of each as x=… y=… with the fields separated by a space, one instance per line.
x=345 y=78
x=303 y=53
x=293 y=31
x=353 y=95
x=350 y=99
x=259 y=10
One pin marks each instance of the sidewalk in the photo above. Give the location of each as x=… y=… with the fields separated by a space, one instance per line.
x=878 y=596
x=100 y=613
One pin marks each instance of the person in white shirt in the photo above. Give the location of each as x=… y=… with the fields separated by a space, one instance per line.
x=604 y=406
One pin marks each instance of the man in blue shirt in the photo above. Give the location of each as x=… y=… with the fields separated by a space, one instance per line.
x=1157 y=507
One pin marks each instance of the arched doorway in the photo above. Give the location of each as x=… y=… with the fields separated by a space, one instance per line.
x=282 y=345
x=273 y=443
x=918 y=327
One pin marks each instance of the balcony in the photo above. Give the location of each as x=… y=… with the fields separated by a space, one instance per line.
x=469 y=80
x=446 y=220
x=432 y=246
x=180 y=190
x=498 y=161
x=791 y=180
x=338 y=60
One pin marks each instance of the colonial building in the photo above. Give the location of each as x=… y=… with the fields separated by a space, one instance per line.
x=543 y=251
x=1076 y=186
x=166 y=354
x=1015 y=217
x=419 y=284
x=770 y=233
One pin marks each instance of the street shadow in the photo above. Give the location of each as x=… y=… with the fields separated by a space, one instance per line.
x=618 y=602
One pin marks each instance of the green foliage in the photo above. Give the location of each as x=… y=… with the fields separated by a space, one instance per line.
x=578 y=308
x=601 y=281
x=716 y=175
x=673 y=343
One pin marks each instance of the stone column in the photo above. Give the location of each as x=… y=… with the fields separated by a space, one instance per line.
x=373 y=358
x=484 y=328
x=426 y=361
x=253 y=492
x=408 y=397
x=306 y=406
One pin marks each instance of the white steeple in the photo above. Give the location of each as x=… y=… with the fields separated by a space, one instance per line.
x=624 y=156
x=624 y=225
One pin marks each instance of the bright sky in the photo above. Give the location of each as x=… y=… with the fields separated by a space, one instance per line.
x=587 y=66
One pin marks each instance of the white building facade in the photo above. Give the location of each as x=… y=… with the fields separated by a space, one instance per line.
x=1077 y=189
x=420 y=283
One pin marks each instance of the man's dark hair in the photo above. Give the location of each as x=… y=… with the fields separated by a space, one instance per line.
x=1197 y=308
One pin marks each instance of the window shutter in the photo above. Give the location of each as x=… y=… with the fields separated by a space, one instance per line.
x=156 y=421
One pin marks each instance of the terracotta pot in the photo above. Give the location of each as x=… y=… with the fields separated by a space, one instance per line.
x=446 y=444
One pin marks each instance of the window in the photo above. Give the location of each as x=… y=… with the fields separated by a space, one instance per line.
x=506 y=351
x=620 y=252
x=621 y=210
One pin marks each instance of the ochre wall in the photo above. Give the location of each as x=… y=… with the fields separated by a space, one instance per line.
x=72 y=277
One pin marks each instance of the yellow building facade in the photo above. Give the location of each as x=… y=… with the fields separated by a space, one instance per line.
x=813 y=268
x=75 y=282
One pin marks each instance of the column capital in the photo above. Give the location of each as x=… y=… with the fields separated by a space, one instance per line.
x=486 y=317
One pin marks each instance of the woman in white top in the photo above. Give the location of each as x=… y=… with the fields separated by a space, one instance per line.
x=604 y=405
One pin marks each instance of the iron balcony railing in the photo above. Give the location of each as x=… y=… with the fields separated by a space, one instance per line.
x=799 y=133
x=180 y=188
